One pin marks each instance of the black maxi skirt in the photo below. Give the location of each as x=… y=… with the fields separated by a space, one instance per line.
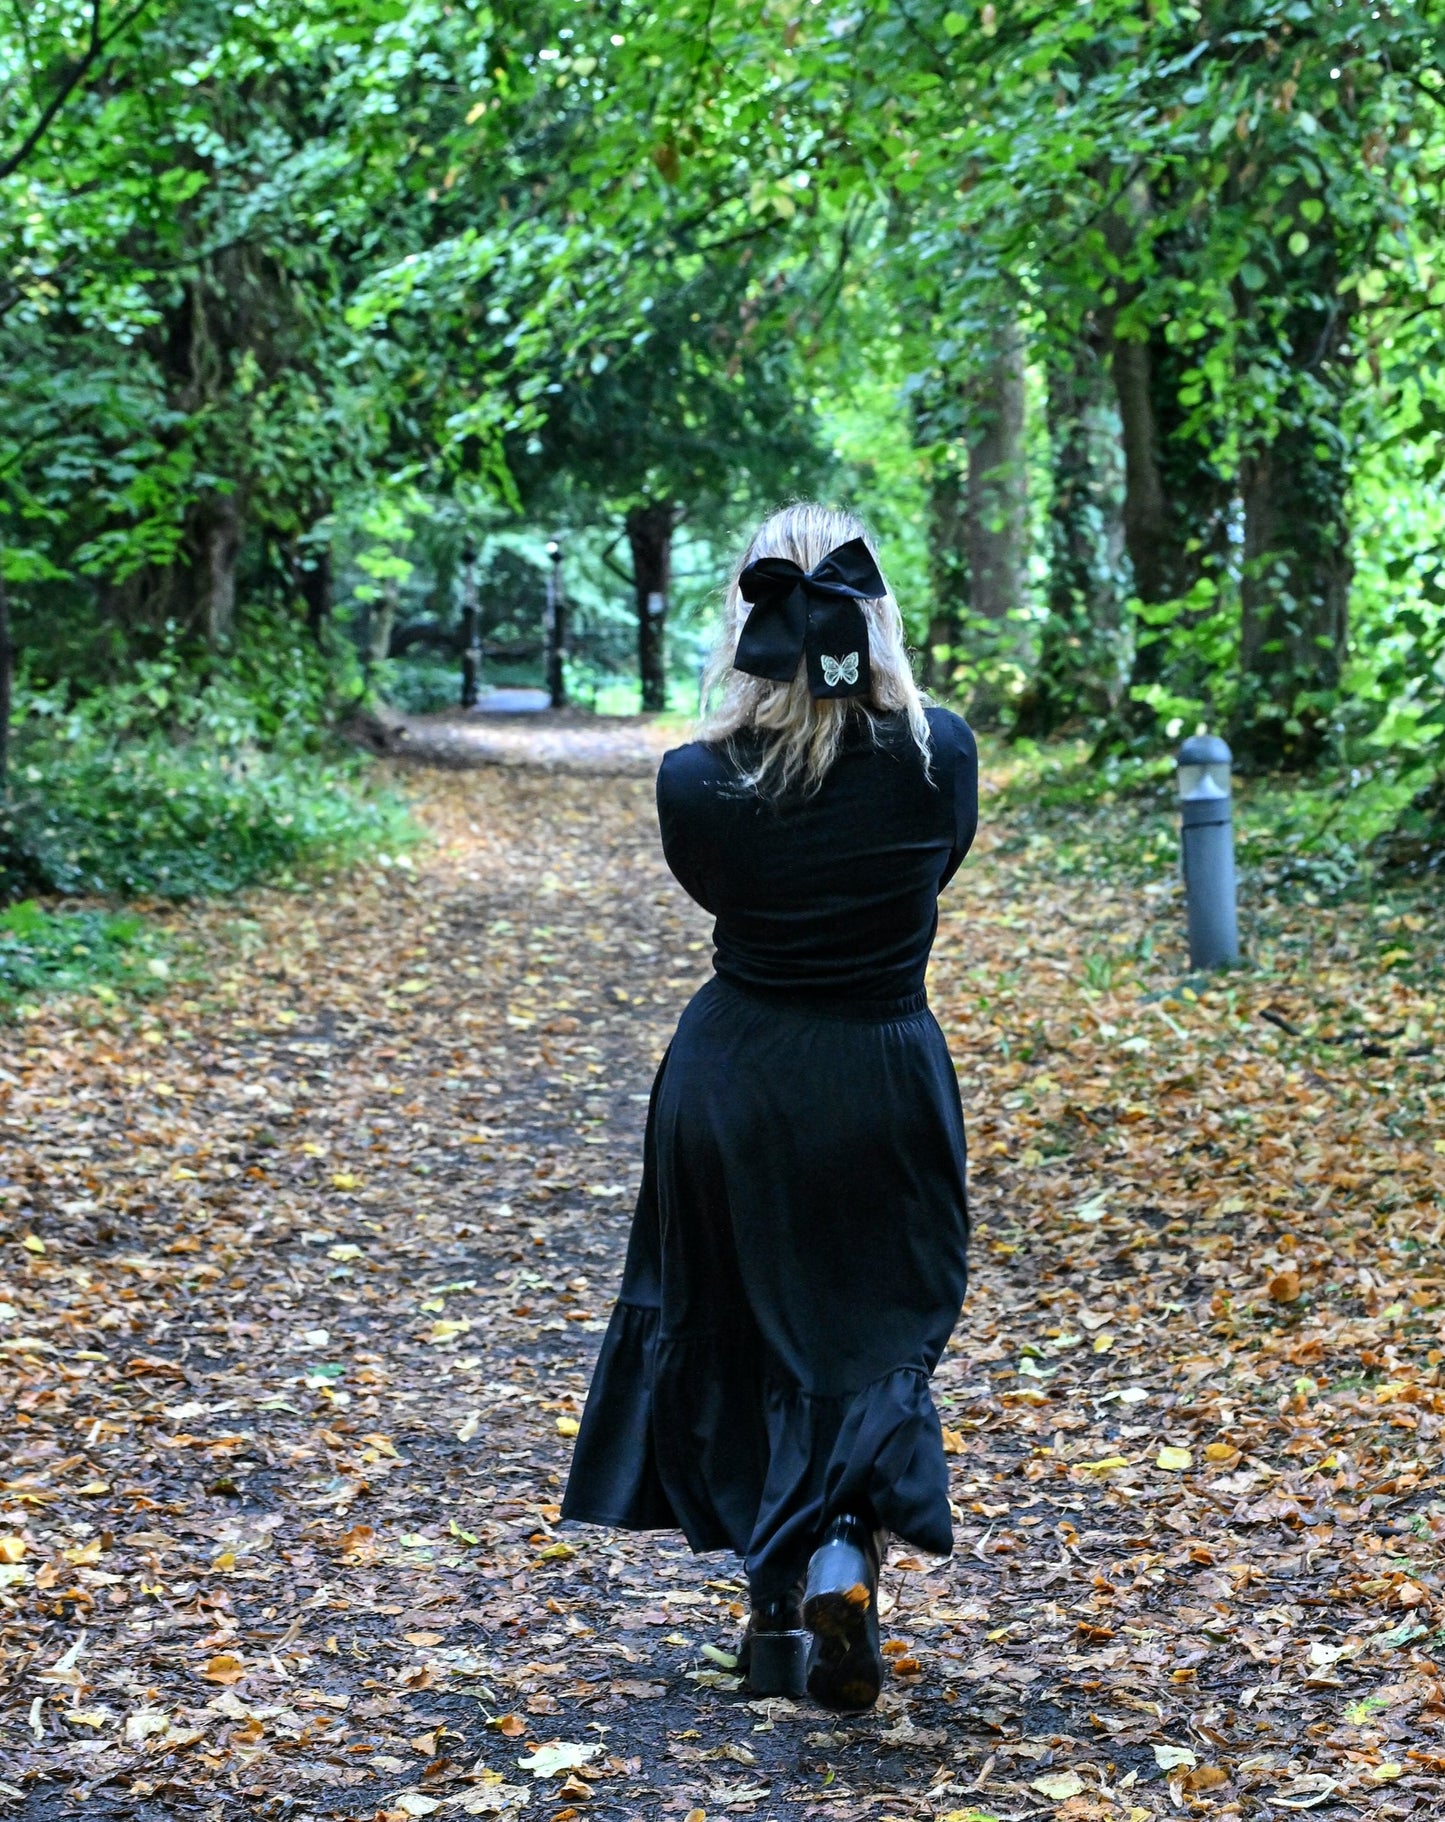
x=796 y=1264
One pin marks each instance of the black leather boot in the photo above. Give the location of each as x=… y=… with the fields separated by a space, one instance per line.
x=840 y=1609
x=773 y=1657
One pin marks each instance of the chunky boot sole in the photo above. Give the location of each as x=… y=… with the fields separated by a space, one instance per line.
x=840 y=1609
x=777 y=1663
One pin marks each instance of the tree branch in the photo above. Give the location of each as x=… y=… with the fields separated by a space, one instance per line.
x=100 y=42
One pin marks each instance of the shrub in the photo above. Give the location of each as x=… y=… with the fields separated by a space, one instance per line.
x=91 y=815
x=63 y=951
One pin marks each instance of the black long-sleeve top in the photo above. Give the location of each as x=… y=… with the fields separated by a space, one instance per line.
x=833 y=894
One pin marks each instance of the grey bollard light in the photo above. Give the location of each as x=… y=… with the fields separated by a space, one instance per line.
x=1207 y=848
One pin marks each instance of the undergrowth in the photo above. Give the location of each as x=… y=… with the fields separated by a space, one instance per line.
x=103 y=952
x=1317 y=838
x=186 y=779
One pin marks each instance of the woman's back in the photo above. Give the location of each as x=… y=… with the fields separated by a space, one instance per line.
x=832 y=894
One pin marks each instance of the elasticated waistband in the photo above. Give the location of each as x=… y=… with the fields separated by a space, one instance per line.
x=829 y=1005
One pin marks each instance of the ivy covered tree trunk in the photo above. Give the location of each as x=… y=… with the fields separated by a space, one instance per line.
x=1295 y=578
x=649 y=537
x=1176 y=502
x=997 y=497
x=7 y=676
x=313 y=580
x=1079 y=665
x=1294 y=594
x=948 y=565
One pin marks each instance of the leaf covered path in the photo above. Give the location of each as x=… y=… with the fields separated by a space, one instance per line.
x=307 y=1261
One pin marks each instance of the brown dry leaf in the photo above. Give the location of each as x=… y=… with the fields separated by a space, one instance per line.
x=1203 y=1777
x=225 y=1668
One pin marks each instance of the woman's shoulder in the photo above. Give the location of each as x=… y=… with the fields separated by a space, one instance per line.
x=951 y=735
x=689 y=769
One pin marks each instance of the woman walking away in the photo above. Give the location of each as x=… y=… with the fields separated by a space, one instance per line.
x=797 y=1259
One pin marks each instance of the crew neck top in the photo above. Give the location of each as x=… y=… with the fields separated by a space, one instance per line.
x=832 y=895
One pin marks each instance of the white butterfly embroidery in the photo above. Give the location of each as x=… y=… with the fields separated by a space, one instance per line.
x=840 y=670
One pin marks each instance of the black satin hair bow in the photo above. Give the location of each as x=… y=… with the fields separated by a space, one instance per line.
x=816 y=614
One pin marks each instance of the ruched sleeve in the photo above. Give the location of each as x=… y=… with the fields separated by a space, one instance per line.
x=956 y=766
x=679 y=808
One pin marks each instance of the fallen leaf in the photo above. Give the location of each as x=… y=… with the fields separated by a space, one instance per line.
x=559 y=1756
x=1058 y=1785
x=145 y=1723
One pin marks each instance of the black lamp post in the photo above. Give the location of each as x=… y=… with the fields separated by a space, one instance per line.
x=471 y=635
x=554 y=628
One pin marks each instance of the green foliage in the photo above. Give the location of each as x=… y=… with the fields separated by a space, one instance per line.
x=91 y=815
x=101 y=952
x=299 y=286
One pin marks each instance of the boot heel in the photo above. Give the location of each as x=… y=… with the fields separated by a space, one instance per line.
x=840 y=1609
x=778 y=1663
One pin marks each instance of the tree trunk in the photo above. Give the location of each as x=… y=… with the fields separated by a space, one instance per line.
x=314 y=585
x=380 y=621
x=1175 y=500
x=7 y=677
x=649 y=537
x=1295 y=578
x=1294 y=589
x=997 y=496
x=1080 y=669
x=218 y=544
x=948 y=562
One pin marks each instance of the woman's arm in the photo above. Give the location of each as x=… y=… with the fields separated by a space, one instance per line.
x=678 y=808
x=960 y=763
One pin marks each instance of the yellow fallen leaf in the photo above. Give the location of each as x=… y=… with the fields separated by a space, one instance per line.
x=1058 y=1785
x=1221 y=1451
x=1170 y=1758
x=33 y=1244
x=567 y=1426
x=1102 y=1343
x=345 y=1179
x=1105 y=1465
x=143 y=1723
x=1383 y=1773
x=12 y=1549
x=1175 y=1460
x=86 y=1717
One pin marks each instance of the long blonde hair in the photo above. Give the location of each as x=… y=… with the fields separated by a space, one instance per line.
x=800 y=736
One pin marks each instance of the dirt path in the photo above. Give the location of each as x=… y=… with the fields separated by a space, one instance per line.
x=308 y=1261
